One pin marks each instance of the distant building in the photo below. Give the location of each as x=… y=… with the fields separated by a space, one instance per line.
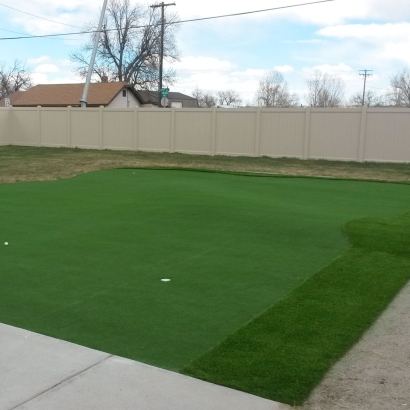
x=175 y=100
x=107 y=94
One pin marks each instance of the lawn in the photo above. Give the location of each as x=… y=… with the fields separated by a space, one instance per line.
x=86 y=257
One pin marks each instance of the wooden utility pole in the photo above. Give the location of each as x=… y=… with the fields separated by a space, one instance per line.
x=161 y=54
x=365 y=74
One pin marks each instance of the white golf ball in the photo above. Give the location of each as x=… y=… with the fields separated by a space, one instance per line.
x=6 y=243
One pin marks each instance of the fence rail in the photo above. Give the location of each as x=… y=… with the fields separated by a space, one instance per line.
x=349 y=134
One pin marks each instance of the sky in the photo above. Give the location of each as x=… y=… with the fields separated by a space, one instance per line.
x=339 y=37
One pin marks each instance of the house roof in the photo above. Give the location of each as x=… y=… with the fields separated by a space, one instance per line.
x=13 y=98
x=151 y=97
x=62 y=95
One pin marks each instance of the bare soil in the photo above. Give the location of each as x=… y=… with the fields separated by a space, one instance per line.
x=375 y=373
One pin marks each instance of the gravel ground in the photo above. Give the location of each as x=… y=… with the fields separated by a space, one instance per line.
x=375 y=373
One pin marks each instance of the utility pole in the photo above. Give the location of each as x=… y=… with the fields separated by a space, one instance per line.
x=161 y=54
x=83 y=100
x=365 y=74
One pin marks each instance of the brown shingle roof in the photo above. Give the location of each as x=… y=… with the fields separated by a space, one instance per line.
x=62 y=95
x=13 y=98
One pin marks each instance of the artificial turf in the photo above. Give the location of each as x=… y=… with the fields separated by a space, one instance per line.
x=86 y=256
x=283 y=353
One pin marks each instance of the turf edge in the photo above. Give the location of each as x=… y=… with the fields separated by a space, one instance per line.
x=284 y=352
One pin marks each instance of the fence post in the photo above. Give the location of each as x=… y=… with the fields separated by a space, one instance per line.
x=172 y=142
x=135 y=128
x=362 y=134
x=11 y=125
x=306 y=138
x=213 y=141
x=258 y=132
x=39 y=125
x=69 y=126
x=101 y=127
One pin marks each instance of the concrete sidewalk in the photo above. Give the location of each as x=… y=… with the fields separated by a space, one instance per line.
x=41 y=373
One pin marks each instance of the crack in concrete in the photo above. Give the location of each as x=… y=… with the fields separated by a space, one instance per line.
x=61 y=382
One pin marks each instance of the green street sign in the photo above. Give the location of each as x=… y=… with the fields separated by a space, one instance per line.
x=164 y=92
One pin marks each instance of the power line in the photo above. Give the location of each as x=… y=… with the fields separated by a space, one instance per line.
x=255 y=11
x=34 y=15
x=171 y=23
x=18 y=32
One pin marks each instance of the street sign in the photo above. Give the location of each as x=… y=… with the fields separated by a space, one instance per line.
x=164 y=102
x=164 y=92
x=7 y=102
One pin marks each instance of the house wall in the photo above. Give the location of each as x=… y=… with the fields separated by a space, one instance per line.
x=185 y=103
x=368 y=134
x=121 y=102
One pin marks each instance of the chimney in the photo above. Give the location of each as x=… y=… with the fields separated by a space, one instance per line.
x=104 y=79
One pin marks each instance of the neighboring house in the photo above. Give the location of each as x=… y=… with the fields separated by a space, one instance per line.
x=107 y=94
x=117 y=95
x=175 y=100
x=12 y=98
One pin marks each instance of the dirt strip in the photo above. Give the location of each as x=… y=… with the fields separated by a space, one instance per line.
x=375 y=373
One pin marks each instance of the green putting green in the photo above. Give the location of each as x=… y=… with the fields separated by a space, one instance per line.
x=86 y=255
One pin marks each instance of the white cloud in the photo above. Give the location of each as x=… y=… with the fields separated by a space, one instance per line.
x=39 y=78
x=39 y=60
x=372 y=32
x=390 y=42
x=47 y=68
x=338 y=70
x=284 y=68
x=79 y=12
x=196 y=64
x=211 y=75
x=323 y=14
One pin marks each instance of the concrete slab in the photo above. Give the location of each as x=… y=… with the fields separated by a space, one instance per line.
x=48 y=374
x=31 y=363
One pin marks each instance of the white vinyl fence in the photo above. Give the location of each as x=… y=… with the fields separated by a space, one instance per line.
x=348 y=134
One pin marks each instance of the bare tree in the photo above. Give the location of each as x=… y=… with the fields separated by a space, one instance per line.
x=399 y=95
x=273 y=92
x=325 y=90
x=229 y=98
x=205 y=99
x=129 y=46
x=371 y=99
x=14 y=78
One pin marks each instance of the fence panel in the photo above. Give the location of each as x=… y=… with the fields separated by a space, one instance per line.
x=335 y=134
x=193 y=131
x=85 y=128
x=118 y=129
x=282 y=133
x=235 y=132
x=25 y=123
x=53 y=125
x=387 y=136
x=6 y=136
x=375 y=134
x=154 y=130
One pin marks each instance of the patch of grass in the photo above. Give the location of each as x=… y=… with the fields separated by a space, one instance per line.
x=284 y=353
x=86 y=254
x=21 y=164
